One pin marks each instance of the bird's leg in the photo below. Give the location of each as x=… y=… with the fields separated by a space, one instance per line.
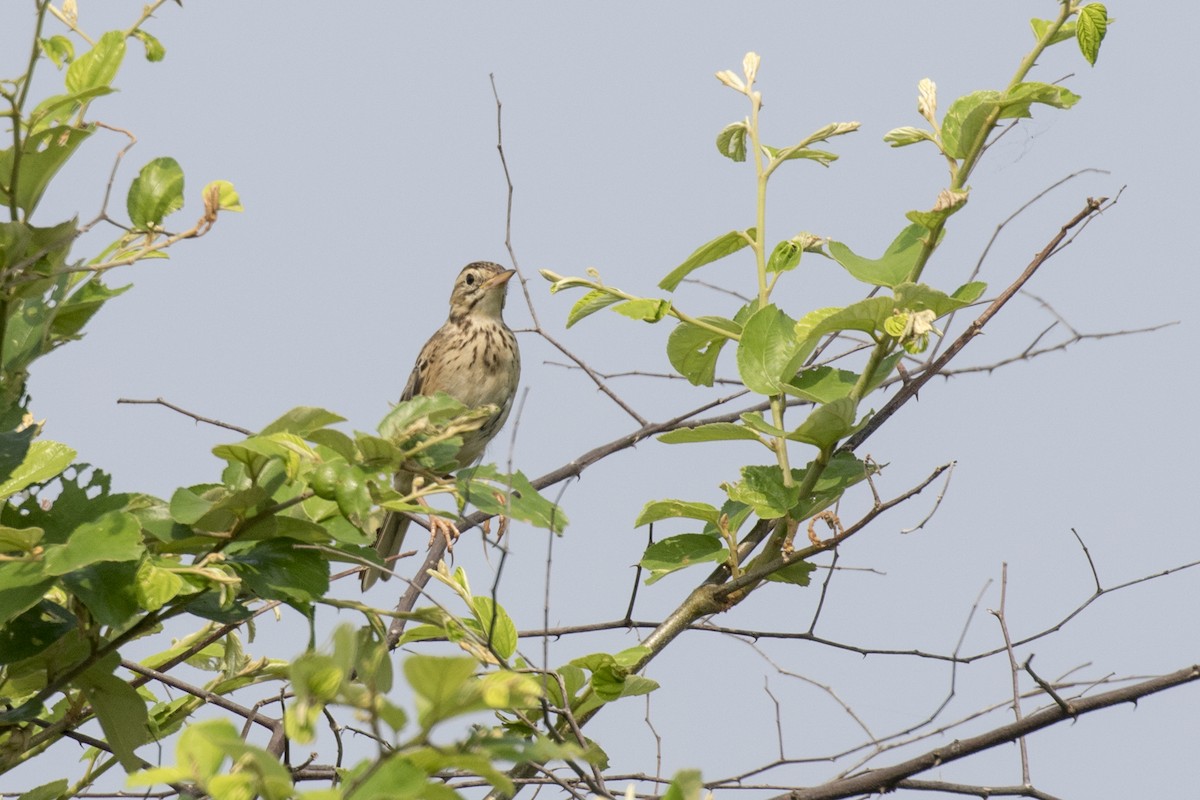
x=438 y=526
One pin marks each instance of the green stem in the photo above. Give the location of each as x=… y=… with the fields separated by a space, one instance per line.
x=18 y=107
x=760 y=186
x=975 y=152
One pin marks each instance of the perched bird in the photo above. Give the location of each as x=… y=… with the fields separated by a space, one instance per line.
x=474 y=359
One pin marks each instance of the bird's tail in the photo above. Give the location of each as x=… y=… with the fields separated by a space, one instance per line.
x=391 y=535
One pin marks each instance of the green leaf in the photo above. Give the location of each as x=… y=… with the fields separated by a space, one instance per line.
x=1091 y=29
x=798 y=574
x=731 y=141
x=120 y=710
x=866 y=315
x=19 y=539
x=227 y=197
x=58 y=49
x=115 y=536
x=964 y=121
x=657 y=510
x=418 y=414
x=889 y=269
x=646 y=309
x=55 y=789
x=518 y=499
x=42 y=155
x=1021 y=96
x=156 y=586
x=785 y=256
x=843 y=471
x=42 y=461
x=693 y=350
x=14 y=445
x=22 y=584
x=495 y=626
x=712 y=432
x=154 y=49
x=827 y=424
x=108 y=589
x=440 y=684
x=679 y=552
x=302 y=421
x=74 y=312
x=98 y=66
x=919 y=297
x=685 y=785
x=155 y=193
x=724 y=245
x=822 y=384
x=767 y=347
x=762 y=489
x=1041 y=26
x=589 y=304
x=34 y=631
x=280 y=569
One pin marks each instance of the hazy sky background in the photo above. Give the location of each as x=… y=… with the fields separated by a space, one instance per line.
x=362 y=140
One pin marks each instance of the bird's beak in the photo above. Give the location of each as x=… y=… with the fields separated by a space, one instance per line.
x=501 y=279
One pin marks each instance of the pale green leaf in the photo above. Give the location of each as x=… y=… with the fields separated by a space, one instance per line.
x=724 y=245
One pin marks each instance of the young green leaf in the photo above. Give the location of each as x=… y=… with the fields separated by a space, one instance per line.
x=827 y=424
x=889 y=269
x=155 y=193
x=679 y=552
x=589 y=304
x=646 y=309
x=798 y=574
x=767 y=346
x=785 y=256
x=713 y=432
x=1041 y=26
x=495 y=626
x=154 y=48
x=724 y=245
x=731 y=141
x=98 y=66
x=657 y=510
x=1090 y=30
x=762 y=489
x=693 y=350
x=302 y=421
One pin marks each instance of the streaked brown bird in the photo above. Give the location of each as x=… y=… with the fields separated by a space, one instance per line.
x=474 y=359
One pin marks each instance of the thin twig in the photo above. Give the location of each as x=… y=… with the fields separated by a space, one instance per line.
x=158 y=401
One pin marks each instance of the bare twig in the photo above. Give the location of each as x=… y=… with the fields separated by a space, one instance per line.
x=158 y=401
x=1014 y=670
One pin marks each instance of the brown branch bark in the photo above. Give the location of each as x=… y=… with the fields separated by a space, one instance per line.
x=887 y=779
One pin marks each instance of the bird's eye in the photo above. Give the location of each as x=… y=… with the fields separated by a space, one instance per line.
x=470 y=279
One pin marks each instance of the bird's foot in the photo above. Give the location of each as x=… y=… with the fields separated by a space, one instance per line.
x=444 y=528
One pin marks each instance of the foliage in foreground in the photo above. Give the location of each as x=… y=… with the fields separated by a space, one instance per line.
x=86 y=572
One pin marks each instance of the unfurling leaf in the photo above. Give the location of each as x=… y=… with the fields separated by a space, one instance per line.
x=731 y=141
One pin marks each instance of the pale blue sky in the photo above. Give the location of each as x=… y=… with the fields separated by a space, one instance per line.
x=362 y=140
